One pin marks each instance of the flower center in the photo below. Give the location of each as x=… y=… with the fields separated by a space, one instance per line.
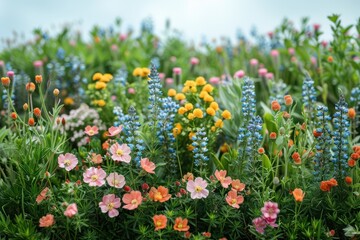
x=134 y=201
x=67 y=162
x=115 y=182
x=158 y=196
x=233 y=201
x=180 y=225
x=110 y=206
x=158 y=223
x=198 y=189
x=91 y=132
x=119 y=152
x=94 y=177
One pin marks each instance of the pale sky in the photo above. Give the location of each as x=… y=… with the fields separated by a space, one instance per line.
x=194 y=18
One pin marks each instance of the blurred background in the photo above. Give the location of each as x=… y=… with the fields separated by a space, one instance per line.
x=195 y=19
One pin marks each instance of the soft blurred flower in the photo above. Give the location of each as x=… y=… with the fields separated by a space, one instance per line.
x=147 y=165
x=239 y=74
x=177 y=71
x=197 y=188
x=42 y=196
x=194 y=61
x=47 y=221
x=67 y=161
x=254 y=62
x=221 y=177
x=91 y=130
x=214 y=80
x=113 y=131
x=262 y=72
x=109 y=205
x=71 y=210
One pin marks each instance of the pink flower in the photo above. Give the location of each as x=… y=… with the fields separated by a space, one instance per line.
x=96 y=158
x=131 y=91
x=233 y=199
x=262 y=72
x=254 y=62
x=260 y=224
x=10 y=74
x=214 y=80
x=113 y=131
x=274 y=53
x=120 y=152
x=194 y=61
x=324 y=44
x=269 y=76
x=270 y=211
x=291 y=51
x=37 y=63
x=161 y=76
x=197 y=188
x=123 y=37
x=47 y=221
x=94 y=176
x=2 y=63
x=67 y=161
x=71 y=210
x=91 y=131
x=132 y=200
x=220 y=176
x=316 y=27
x=147 y=165
x=313 y=60
x=109 y=205
x=177 y=71
x=169 y=81
x=114 y=48
x=239 y=74
x=42 y=196
x=116 y=180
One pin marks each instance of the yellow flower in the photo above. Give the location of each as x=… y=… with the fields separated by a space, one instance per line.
x=145 y=72
x=185 y=89
x=219 y=123
x=210 y=111
x=213 y=128
x=208 y=98
x=190 y=85
x=97 y=76
x=208 y=88
x=182 y=110
x=106 y=77
x=203 y=94
x=191 y=116
x=189 y=106
x=171 y=92
x=200 y=81
x=198 y=113
x=180 y=96
x=101 y=103
x=100 y=85
x=68 y=101
x=177 y=129
x=191 y=135
x=190 y=147
x=215 y=106
x=226 y=114
x=137 y=72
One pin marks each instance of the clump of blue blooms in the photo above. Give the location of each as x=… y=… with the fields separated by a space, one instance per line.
x=200 y=142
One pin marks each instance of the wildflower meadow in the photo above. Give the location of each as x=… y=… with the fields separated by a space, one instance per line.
x=144 y=136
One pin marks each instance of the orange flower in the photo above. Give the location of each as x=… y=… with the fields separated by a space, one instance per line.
x=330 y=59
x=351 y=163
x=30 y=87
x=316 y=134
x=159 y=221
x=187 y=177
x=147 y=165
x=237 y=185
x=219 y=123
x=355 y=156
x=298 y=194
x=233 y=199
x=159 y=195
x=37 y=112
x=273 y=135
x=290 y=143
x=221 y=177
x=5 y=81
x=38 y=79
x=351 y=113
x=31 y=122
x=288 y=100
x=47 y=221
x=226 y=114
x=132 y=200
x=13 y=115
x=296 y=157
x=348 y=180
x=275 y=106
x=181 y=225
x=42 y=195
x=261 y=150
x=327 y=185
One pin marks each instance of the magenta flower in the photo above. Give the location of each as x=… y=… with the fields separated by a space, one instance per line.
x=214 y=80
x=116 y=180
x=91 y=131
x=254 y=62
x=269 y=76
x=109 y=205
x=177 y=71
x=270 y=211
x=120 y=152
x=260 y=224
x=197 y=188
x=113 y=131
x=71 y=210
x=239 y=74
x=274 y=53
x=262 y=72
x=67 y=161
x=194 y=61
x=94 y=176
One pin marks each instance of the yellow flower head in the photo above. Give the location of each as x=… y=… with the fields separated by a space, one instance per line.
x=226 y=114
x=208 y=88
x=190 y=116
x=213 y=128
x=97 y=76
x=100 y=85
x=200 y=81
x=182 y=110
x=106 y=77
x=137 y=72
x=219 y=123
x=210 y=111
x=198 y=113
x=69 y=101
x=189 y=106
x=203 y=94
x=190 y=147
x=191 y=135
x=190 y=85
x=180 y=96
x=185 y=89
x=215 y=106
x=171 y=92
x=177 y=129
x=101 y=103
x=208 y=98
x=145 y=72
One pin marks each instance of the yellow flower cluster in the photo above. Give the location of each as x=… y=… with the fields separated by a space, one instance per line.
x=141 y=72
x=101 y=81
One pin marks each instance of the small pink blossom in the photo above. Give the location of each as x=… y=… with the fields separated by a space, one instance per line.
x=214 y=80
x=10 y=74
x=38 y=63
x=269 y=76
x=91 y=131
x=67 y=161
x=109 y=205
x=120 y=152
x=113 y=131
x=161 y=76
x=260 y=225
x=291 y=51
x=96 y=158
x=239 y=74
x=313 y=60
x=274 y=53
x=324 y=43
x=254 y=62
x=177 y=71
x=194 y=61
x=132 y=200
x=316 y=27
x=270 y=210
x=2 y=63
x=147 y=165
x=169 y=81
x=131 y=91
x=197 y=188
x=114 y=48
x=262 y=72
x=123 y=37
x=221 y=177
x=71 y=210
x=94 y=176
x=116 y=180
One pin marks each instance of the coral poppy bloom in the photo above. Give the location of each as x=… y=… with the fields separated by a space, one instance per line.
x=109 y=205
x=275 y=106
x=91 y=131
x=351 y=163
x=238 y=186
x=5 y=81
x=159 y=195
x=31 y=121
x=94 y=176
x=113 y=131
x=351 y=113
x=272 y=135
x=298 y=194
x=96 y=158
x=67 y=161
x=233 y=199
x=47 y=221
x=288 y=100
x=348 y=180
x=197 y=188
x=181 y=225
x=30 y=87
x=120 y=152
x=132 y=200
x=326 y=186
x=116 y=180
x=225 y=181
x=42 y=195
x=159 y=221
x=71 y=210
x=147 y=165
